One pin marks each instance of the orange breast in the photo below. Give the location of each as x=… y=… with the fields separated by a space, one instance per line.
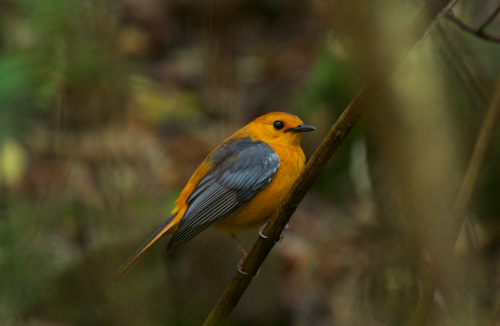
x=259 y=209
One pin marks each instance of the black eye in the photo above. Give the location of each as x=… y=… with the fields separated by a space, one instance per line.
x=278 y=125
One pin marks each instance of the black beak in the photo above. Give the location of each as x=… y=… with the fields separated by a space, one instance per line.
x=301 y=128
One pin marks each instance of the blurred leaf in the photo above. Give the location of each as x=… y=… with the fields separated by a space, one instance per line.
x=13 y=161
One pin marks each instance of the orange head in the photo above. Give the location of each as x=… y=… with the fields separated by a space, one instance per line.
x=278 y=128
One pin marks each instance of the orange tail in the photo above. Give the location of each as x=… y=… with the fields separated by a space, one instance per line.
x=138 y=253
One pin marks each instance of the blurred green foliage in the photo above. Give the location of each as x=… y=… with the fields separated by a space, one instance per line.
x=329 y=87
x=17 y=90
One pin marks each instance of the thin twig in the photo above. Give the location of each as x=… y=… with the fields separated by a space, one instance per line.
x=477 y=94
x=490 y=19
x=479 y=32
x=338 y=132
x=482 y=146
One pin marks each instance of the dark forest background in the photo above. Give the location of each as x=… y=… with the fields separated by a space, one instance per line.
x=108 y=106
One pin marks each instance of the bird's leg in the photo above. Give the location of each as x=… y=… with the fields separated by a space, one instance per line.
x=238 y=244
x=243 y=254
x=282 y=235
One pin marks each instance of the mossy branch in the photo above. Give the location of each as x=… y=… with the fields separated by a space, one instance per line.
x=332 y=141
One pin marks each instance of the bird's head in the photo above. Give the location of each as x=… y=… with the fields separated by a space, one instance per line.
x=278 y=128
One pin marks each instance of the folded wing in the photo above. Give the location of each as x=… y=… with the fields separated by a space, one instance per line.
x=241 y=169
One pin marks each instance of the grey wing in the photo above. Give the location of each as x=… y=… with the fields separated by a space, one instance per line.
x=234 y=180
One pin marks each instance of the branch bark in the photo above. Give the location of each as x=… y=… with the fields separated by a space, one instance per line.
x=481 y=147
x=416 y=31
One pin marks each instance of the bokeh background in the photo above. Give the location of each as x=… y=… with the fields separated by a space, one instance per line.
x=108 y=106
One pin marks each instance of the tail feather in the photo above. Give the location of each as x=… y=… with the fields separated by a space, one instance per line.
x=139 y=252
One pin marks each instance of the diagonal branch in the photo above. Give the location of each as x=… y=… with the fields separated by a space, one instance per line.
x=482 y=146
x=233 y=293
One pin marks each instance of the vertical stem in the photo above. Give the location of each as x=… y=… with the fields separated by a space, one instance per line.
x=482 y=146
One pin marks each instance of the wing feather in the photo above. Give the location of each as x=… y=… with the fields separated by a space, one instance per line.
x=202 y=186
x=224 y=205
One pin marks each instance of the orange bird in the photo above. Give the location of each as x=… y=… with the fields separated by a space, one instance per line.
x=238 y=185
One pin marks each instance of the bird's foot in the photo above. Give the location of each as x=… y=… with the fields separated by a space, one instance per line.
x=243 y=256
x=261 y=229
x=240 y=264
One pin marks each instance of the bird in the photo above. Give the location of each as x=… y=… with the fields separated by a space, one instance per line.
x=238 y=185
